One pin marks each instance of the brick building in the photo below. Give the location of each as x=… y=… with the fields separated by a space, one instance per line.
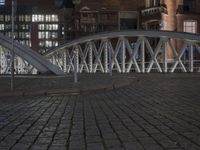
x=172 y=15
x=42 y=26
x=37 y=23
x=176 y=15
x=102 y=15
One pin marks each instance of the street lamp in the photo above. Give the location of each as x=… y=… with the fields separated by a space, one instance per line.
x=12 y=51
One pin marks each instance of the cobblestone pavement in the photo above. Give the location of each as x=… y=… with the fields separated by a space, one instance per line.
x=156 y=112
x=49 y=85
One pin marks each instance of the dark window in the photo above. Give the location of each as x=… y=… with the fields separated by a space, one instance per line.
x=126 y=24
x=189 y=5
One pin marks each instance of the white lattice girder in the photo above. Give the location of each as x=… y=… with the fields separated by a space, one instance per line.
x=35 y=59
x=120 y=56
x=131 y=33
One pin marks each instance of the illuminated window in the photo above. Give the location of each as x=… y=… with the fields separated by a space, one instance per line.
x=190 y=26
x=27 y=18
x=37 y=18
x=27 y=34
x=54 y=35
x=41 y=35
x=48 y=43
x=48 y=35
x=51 y=18
x=21 y=18
x=22 y=42
x=34 y=18
x=51 y=26
x=2 y=2
x=41 y=18
x=55 y=27
x=1 y=18
x=21 y=35
x=41 y=43
x=48 y=27
x=54 y=18
x=48 y=18
x=41 y=27
x=7 y=18
x=2 y=26
x=55 y=43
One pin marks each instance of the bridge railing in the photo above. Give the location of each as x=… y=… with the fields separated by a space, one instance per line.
x=130 y=51
x=123 y=52
x=21 y=66
x=26 y=60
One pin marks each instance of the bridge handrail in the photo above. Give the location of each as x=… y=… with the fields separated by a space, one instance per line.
x=129 y=33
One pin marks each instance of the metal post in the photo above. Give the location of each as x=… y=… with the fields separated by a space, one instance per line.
x=191 y=55
x=143 y=55
x=12 y=52
x=75 y=65
x=110 y=61
x=65 y=61
x=106 y=56
x=123 y=55
x=165 y=65
x=90 y=58
x=0 y=60
x=54 y=59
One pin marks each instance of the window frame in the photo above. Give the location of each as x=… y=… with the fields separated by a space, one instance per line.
x=190 y=28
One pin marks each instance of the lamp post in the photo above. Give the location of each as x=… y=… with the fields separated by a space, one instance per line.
x=12 y=51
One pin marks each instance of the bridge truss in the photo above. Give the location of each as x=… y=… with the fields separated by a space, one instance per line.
x=129 y=51
x=123 y=52
x=26 y=60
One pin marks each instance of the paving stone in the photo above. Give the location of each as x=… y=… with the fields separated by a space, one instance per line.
x=57 y=147
x=96 y=146
x=133 y=146
x=112 y=143
x=93 y=139
x=20 y=146
x=39 y=147
x=161 y=111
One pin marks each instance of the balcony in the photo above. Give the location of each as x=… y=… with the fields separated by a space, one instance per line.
x=153 y=13
x=154 y=10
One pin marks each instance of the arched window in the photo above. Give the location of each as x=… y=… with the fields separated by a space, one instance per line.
x=190 y=26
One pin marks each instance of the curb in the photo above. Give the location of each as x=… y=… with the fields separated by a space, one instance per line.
x=69 y=92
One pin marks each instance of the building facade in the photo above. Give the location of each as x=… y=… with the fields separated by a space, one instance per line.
x=37 y=24
x=93 y=16
x=176 y=15
x=43 y=25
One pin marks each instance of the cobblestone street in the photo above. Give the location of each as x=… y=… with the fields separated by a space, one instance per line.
x=154 y=112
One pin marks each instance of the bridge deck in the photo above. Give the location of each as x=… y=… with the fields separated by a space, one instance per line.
x=155 y=112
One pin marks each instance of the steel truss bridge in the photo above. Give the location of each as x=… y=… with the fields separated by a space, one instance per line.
x=123 y=52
